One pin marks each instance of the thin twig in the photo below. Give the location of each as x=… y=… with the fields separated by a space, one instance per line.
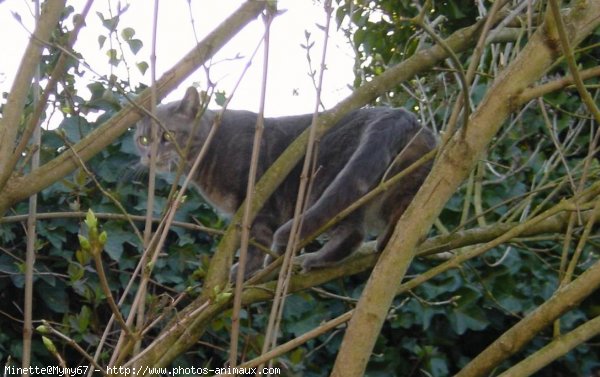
x=568 y=53
x=151 y=175
x=73 y=344
x=246 y=221
x=96 y=252
x=56 y=74
x=292 y=245
x=31 y=228
x=109 y=216
x=294 y=343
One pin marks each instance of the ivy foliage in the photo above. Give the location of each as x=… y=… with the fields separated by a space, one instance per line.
x=450 y=319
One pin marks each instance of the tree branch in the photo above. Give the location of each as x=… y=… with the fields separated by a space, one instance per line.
x=9 y=124
x=388 y=80
x=515 y=338
x=555 y=349
x=453 y=166
x=19 y=188
x=186 y=336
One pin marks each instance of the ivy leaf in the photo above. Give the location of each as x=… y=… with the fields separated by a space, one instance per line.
x=135 y=45
x=109 y=23
x=127 y=33
x=118 y=235
x=101 y=40
x=220 y=98
x=142 y=67
x=56 y=298
x=113 y=57
x=75 y=128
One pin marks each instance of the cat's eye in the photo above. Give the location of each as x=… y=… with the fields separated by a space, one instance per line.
x=144 y=141
x=167 y=136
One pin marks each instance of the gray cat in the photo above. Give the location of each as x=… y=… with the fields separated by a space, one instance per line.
x=353 y=157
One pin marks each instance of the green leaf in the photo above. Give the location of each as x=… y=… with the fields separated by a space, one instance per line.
x=127 y=33
x=113 y=57
x=84 y=318
x=102 y=238
x=220 y=98
x=49 y=344
x=74 y=128
x=42 y=329
x=135 y=45
x=76 y=272
x=55 y=298
x=120 y=234
x=142 y=67
x=90 y=219
x=468 y=318
x=53 y=233
x=83 y=257
x=84 y=243
x=438 y=365
x=297 y=355
x=101 y=40
x=109 y=23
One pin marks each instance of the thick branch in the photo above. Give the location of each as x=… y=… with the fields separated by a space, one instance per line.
x=19 y=188
x=453 y=166
x=420 y=62
x=557 y=348
x=9 y=123
x=217 y=274
x=366 y=257
x=515 y=338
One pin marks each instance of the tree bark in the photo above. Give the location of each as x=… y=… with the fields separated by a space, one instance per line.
x=420 y=62
x=514 y=339
x=9 y=123
x=21 y=187
x=218 y=272
x=453 y=166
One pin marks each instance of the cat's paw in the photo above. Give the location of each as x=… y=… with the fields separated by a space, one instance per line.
x=312 y=261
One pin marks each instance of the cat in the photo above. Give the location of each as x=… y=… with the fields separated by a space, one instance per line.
x=353 y=157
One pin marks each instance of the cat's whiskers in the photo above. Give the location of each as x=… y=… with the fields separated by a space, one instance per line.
x=132 y=173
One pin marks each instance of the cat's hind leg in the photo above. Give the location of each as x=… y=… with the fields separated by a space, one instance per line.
x=345 y=239
x=383 y=137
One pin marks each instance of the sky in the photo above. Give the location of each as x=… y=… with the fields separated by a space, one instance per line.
x=290 y=89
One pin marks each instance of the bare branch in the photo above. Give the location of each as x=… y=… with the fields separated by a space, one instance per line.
x=19 y=188
x=453 y=166
x=9 y=124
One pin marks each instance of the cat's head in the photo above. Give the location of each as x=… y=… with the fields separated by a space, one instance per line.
x=177 y=119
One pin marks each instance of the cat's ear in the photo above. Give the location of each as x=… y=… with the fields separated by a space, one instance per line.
x=190 y=103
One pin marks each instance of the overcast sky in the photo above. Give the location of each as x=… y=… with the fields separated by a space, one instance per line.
x=290 y=89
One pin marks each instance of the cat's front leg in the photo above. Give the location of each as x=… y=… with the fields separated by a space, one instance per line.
x=262 y=234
